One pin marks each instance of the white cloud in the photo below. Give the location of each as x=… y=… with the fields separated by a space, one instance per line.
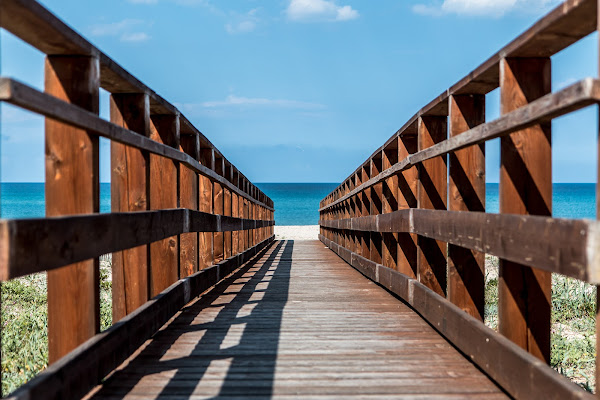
x=233 y=100
x=490 y=8
x=135 y=37
x=127 y=30
x=319 y=10
x=243 y=24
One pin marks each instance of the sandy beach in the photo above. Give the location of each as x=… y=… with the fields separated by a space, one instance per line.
x=297 y=232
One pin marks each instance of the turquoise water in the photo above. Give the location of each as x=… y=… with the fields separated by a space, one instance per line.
x=297 y=203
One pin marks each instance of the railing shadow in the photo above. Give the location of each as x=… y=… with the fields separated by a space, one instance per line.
x=197 y=354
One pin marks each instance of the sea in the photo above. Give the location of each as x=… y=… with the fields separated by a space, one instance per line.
x=298 y=203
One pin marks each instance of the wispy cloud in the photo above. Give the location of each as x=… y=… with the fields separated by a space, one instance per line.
x=233 y=101
x=128 y=30
x=487 y=8
x=242 y=23
x=319 y=10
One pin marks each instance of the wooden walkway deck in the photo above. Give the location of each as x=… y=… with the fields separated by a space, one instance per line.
x=299 y=323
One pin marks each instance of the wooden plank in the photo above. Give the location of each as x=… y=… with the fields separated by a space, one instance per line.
x=87 y=236
x=431 y=194
x=164 y=254
x=206 y=256
x=129 y=191
x=75 y=375
x=188 y=198
x=524 y=305
x=563 y=246
x=579 y=95
x=376 y=208
x=520 y=374
x=390 y=204
x=26 y=97
x=218 y=206
x=408 y=181
x=227 y=236
x=72 y=187
x=466 y=268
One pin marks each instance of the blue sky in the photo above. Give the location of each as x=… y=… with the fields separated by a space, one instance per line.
x=300 y=90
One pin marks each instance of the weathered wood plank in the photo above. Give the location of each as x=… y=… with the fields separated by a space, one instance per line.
x=79 y=238
x=431 y=194
x=544 y=109
x=188 y=198
x=72 y=187
x=522 y=375
x=75 y=375
x=129 y=192
x=28 y=98
x=563 y=246
x=466 y=268
x=524 y=305
x=163 y=194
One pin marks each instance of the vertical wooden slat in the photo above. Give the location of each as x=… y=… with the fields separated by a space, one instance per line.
x=432 y=193
x=390 y=204
x=129 y=192
x=407 y=198
x=227 y=236
x=376 y=239
x=188 y=198
x=206 y=256
x=365 y=211
x=164 y=254
x=525 y=188
x=218 y=204
x=72 y=187
x=466 y=268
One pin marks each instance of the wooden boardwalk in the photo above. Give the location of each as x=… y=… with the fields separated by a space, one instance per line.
x=298 y=323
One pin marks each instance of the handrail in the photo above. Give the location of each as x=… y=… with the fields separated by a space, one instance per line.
x=183 y=216
x=412 y=216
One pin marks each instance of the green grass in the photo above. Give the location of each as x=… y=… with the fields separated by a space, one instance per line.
x=573 y=337
x=25 y=325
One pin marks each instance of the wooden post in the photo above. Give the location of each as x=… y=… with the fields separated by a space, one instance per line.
x=466 y=268
x=188 y=198
x=525 y=188
x=218 y=205
x=235 y=248
x=164 y=254
x=365 y=211
x=407 y=198
x=376 y=239
x=390 y=204
x=432 y=192
x=227 y=236
x=129 y=192
x=72 y=187
x=206 y=256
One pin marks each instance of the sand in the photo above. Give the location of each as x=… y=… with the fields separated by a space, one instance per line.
x=304 y=232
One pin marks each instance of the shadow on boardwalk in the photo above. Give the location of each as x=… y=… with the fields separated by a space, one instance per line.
x=223 y=345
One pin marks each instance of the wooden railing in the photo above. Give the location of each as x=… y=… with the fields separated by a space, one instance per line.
x=412 y=217
x=183 y=217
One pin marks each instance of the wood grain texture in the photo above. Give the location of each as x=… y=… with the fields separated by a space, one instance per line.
x=266 y=332
x=390 y=204
x=431 y=194
x=466 y=268
x=164 y=254
x=77 y=373
x=31 y=99
x=408 y=181
x=524 y=306
x=520 y=374
x=72 y=187
x=129 y=192
x=218 y=208
x=188 y=198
